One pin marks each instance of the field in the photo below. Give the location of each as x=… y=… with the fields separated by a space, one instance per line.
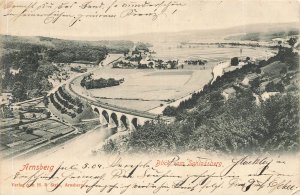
x=155 y=86
x=212 y=54
x=147 y=89
x=16 y=139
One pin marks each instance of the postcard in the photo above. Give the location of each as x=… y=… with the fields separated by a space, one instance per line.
x=149 y=97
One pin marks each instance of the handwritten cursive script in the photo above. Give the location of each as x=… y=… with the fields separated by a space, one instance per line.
x=73 y=12
x=243 y=174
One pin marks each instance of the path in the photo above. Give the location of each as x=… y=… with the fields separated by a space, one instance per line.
x=218 y=70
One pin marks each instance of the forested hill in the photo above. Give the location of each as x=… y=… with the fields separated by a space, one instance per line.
x=26 y=62
x=265 y=36
x=249 y=110
x=59 y=50
x=55 y=42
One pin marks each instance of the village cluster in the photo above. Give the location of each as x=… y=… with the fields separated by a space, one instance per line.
x=143 y=59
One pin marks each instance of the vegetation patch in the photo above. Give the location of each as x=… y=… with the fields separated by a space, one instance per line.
x=90 y=83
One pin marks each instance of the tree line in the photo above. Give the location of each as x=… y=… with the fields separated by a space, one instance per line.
x=90 y=83
x=66 y=106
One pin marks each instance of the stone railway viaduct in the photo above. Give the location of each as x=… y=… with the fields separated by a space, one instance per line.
x=117 y=117
x=113 y=116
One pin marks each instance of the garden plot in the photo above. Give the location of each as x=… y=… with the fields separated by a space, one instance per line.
x=20 y=138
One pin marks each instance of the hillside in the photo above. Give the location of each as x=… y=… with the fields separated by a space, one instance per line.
x=265 y=36
x=254 y=109
x=26 y=63
x=10 y=42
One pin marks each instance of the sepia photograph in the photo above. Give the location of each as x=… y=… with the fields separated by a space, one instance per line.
x=149 y=97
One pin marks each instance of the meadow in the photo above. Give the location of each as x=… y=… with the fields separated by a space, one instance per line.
x=145 y=90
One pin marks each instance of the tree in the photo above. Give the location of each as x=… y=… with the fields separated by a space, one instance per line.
x=5 y=112
x=234 y=61
x=155 y=137
x=47 y=113
x=142 y=46
x=272 y=87
x=292 y=41
x=110 y=146
x=46 y=101
x=170 y=111
x=283 y=70
x=280 y=87
x=19 y=91
x=282 y=113
x=27 y=129
x=45 y=85
x=28 y=60
x=79 y=110
x=216 y=96
x=255 y=83
x=46 y=69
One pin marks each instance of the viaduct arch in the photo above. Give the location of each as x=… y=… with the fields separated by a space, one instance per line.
x=121 y=121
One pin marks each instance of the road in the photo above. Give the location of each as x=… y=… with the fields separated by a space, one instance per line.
x=218 y=70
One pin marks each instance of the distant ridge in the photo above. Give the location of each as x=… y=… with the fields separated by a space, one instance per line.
x=188 y=35
x=193 y=35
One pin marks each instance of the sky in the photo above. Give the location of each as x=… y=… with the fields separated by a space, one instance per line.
x=196 y=15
